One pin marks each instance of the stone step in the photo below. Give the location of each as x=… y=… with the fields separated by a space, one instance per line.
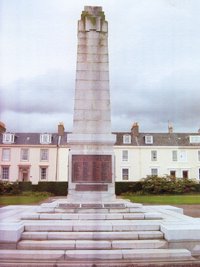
x=92 y=216
x=90 y=244
x=134 y=235
x=126 y=254
x=91 y=226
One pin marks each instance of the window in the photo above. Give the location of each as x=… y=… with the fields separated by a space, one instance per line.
x=43 y=173
x=45 y=138
x=174 y=155
x=185 y=174
x=6 y=154
x=125 y=174
x=44 y=154
x=199 y=174
x=5 y=173
x=148 y=139
x=127 y=139
x=24 y=154
x=8 y=138
x=124 y=155
x=182 y=156
x=194 y=139
x=199 y=155
x=154 y=172
x=173 y=174
x=154 y=155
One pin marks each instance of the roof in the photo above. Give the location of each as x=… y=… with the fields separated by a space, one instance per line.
x=159 y=139
x=34 y=139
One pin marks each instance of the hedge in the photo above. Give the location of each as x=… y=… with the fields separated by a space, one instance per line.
x=125 y=187
x=56 y=188
x=148 y=185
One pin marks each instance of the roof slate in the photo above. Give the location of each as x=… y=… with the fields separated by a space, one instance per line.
x=159 y=139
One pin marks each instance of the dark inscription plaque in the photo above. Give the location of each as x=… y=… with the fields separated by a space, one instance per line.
x=92 y=168
x=91 y=187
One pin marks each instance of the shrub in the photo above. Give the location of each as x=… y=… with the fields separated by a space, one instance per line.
x=168 y=184
x=11 y=188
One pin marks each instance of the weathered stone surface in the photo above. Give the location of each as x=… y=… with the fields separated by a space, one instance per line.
x=34 y=235
x=148 y=254
x=46 y=244
x=11 y=232
x=150 y=235
x=134 y=216
x=139 y=244
x=177 y=231
x=92 y=116
x=32 y=254
x=48 y=227
x=93 y=244
x=94 y=254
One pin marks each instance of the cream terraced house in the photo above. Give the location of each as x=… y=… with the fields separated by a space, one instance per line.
x=44 y=156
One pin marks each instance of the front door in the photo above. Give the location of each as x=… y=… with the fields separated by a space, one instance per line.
x=24 y=174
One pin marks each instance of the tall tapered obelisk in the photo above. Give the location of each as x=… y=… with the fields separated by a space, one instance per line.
x=91 y=158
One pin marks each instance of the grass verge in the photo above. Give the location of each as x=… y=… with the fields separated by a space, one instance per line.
x=165 y=199
x=26 y=198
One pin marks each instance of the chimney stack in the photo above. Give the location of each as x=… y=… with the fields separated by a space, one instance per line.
x=2 y=127
x=170 y=128
x=135 y=129
x=61 y=129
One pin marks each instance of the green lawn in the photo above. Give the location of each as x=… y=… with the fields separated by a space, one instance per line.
x=145 y=199
x=22 y=199
x=165 y=199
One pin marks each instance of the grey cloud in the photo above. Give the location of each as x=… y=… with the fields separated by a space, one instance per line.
x=49 y=93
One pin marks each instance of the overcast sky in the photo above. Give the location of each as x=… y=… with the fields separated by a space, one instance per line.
x=154 y=52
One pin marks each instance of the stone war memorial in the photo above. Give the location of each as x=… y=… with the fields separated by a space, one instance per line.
x=91 y=163
x=91 y=227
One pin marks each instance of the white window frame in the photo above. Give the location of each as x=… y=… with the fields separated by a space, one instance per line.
x=24 y=155
x=182 y=156
x=154 y=155
x=194 y=139
x=123 y=174
x=5 y=173
x=41 y=173
x=148 y=139
x=124 y=155
x=154 y=171
x=126 y=139
x=6 y=157
x=45 y=138
x=8 y=138
x=44 y=154
x=174 y=155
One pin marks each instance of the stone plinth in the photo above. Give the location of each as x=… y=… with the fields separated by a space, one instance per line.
x=91 y=159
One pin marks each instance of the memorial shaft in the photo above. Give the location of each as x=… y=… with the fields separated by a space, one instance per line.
x=91 y=155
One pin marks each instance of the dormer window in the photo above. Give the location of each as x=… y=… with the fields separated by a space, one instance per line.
x=127 y=139
x=194 y=139
x=45 y=139
x=8 y=138
x=148 y=139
